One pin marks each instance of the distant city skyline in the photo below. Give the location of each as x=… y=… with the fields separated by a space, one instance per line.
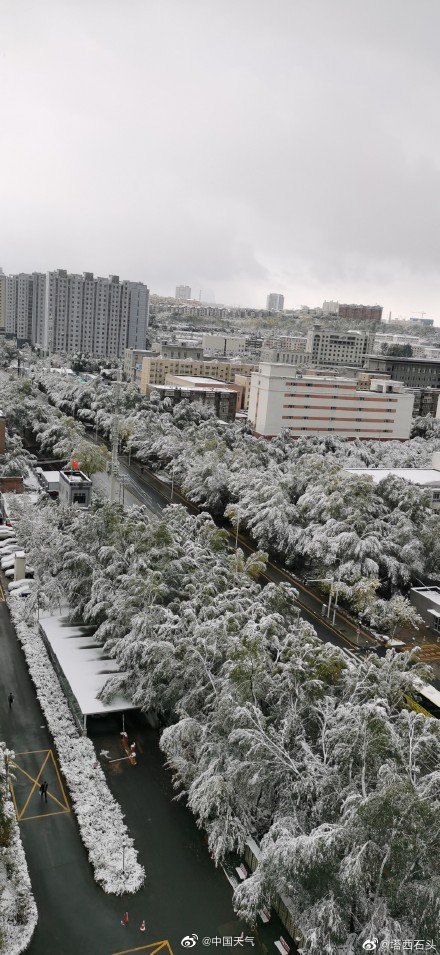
x=256 y=303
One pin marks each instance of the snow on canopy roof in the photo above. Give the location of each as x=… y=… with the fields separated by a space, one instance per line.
x=424 y=476
x=50 y=476
x=85 y=668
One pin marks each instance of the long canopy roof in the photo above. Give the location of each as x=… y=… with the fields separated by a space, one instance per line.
x=84 y=665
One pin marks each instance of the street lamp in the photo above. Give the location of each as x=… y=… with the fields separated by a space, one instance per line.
x=123 y=857
x=237 y=526
x=335 y=604
x=172 y=483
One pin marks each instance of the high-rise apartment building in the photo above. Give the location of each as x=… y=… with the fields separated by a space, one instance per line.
x=72 y=314
x=2 y=302
x=183 y=291
x=275 y=302
x=24 y=310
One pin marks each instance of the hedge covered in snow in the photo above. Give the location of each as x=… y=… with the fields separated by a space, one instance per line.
x=99 y=816
x=18 y=911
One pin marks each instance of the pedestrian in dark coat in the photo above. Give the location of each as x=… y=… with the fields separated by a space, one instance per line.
x=10 y=700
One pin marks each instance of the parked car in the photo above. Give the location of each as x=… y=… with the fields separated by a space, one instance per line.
x=22 y=592
x=8 y=548
x=15 y=585
x=7 y=562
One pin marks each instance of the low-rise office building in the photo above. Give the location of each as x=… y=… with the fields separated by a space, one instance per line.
x=155 y=369
x=225 y=345
x=412 y=372
x=281 y=398
x=202 y=383
x=187 y=350
x=222 y=401
x=328 y=347
x=426 y=478
x=75 y=488
x=133 y=358
x=427 y=601
x=371 y=313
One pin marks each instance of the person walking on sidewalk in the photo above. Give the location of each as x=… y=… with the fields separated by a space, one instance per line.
x=124 y=919
x=142 y=926
x=43 y=789
x=10 y=700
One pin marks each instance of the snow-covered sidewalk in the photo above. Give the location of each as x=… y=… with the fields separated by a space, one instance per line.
x=99 y=816
x=18 y=911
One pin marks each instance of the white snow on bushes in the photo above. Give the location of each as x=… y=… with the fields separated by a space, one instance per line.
x=18 y=911
x=99 y=816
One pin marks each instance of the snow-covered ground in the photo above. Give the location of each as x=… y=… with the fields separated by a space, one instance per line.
x=99 y=816
x=18 y=911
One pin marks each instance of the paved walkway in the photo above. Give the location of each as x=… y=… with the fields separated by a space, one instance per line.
x=184 y=893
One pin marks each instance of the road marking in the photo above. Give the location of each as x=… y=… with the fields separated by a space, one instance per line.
x=153 y=947
x=64 y=806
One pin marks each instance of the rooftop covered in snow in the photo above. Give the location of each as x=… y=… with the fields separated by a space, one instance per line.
x=425 y=477
x=83 y=664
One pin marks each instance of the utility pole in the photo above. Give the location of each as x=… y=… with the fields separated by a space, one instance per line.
x=115 y=440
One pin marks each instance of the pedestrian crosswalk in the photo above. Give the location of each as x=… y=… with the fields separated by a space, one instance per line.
x=29 y=770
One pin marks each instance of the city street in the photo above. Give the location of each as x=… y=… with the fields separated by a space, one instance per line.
x=145 y=485
x=183 y=893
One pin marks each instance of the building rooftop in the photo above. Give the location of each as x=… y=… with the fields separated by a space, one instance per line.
x=50 y=476
x=422 y=476
x=400 y=358
x=186 y=388
x=84 y=664
x=432 y=592
x=200 y=380
x=74 y=477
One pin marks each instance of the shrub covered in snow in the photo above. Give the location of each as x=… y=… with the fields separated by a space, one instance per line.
x=18 y=911
x=99 y=816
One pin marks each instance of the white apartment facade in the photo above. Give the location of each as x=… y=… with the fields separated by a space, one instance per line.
x=67 y=313
x=280 y=398
x=226 y=345
x=327 y=347
x=2 y=302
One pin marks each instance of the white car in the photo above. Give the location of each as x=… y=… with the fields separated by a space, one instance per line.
x=15 y=585
x=7 y=562
x=6 y=532
x=29 y=573
x=8 y=548
x=22 y=592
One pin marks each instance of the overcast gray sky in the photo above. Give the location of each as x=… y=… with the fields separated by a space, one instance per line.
x=238 y=146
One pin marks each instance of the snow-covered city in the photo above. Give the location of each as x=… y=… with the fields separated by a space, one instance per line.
x=219 y=508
